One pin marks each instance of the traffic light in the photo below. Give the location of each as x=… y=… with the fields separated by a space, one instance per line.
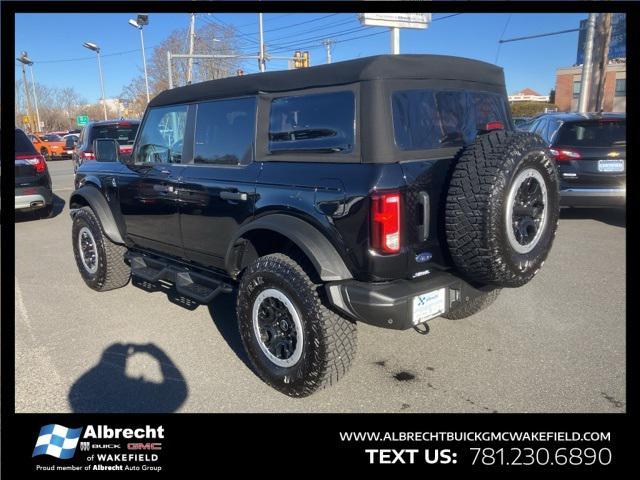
x=300 y=59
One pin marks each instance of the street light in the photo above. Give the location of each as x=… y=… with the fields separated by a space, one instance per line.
x=141 y=21
x=96 y=48
x=25 y=60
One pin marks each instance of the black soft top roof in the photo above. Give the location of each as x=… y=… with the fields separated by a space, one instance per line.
x=433 y=67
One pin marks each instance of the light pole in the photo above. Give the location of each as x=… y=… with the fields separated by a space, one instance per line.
x=25 y=60
x=261 y=60
x=96 y=48
x=142 y=20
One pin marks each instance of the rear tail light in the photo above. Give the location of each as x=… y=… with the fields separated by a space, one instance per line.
x=494 y=126
x=385 y=222
x=88 y=155
x=37 y=161
x=564 y=154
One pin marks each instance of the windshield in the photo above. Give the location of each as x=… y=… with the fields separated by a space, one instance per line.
x=601 y=133
x=124 y=134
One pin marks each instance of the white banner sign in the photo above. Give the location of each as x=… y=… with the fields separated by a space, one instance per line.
x=399 y=20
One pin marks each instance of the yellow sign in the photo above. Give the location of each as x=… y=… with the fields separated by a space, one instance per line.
x=26 y=119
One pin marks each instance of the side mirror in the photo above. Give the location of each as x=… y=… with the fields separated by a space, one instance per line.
x=106 y=150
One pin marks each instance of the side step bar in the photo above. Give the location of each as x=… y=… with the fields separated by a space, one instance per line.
x=192 y=285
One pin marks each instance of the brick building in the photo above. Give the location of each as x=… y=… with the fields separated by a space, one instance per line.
x=615 y=90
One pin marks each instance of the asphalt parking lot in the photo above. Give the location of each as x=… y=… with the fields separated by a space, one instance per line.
x=555 y=345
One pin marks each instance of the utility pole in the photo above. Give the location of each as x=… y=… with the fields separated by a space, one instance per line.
x=27 y=100
x=169 y=70
x=327 y=45
x=35 y=95
x=603 y=33
x=585 y=85
x=261 y=59
x=395 y=40
x=192 y=35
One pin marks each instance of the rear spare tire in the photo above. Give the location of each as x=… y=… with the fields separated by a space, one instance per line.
x=502 y=208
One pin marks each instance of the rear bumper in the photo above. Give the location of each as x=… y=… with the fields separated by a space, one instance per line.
x=593 y=197
x=32 y=198
x=390 y=304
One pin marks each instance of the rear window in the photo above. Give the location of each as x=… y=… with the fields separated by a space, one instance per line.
x=323 y=123
x=52 y=138
x=124 y=134
x=424 y=119
x=23 y=144
x=605 y=133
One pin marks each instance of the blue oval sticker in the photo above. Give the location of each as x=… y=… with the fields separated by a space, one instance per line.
x=423 y=257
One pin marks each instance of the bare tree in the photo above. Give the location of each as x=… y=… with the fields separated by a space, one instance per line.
x=210 y=40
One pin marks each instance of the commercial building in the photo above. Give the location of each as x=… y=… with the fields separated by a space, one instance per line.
x=568 y=81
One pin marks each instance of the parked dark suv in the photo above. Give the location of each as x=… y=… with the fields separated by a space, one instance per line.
x=122 y=131
x=33 y=191
x=387 y=190
x=590 y=152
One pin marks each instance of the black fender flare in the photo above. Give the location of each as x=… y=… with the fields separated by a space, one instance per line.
x=99 y=205
x=325 y=258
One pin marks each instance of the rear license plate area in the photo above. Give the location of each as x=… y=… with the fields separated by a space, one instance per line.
x=429 y=305
x=608 y=166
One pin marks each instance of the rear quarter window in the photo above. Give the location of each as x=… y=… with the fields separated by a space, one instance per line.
x=426 y=119
x=322 y=122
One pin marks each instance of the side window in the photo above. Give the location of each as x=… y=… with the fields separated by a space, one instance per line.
x=162 y=135
x=225 y=130
x=322 y=122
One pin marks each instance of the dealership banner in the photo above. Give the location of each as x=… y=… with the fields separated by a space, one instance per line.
x=158 y=445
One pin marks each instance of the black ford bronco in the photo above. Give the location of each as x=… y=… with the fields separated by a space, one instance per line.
x=387 y=190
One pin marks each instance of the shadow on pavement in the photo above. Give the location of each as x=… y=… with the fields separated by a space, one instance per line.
x=223 y=313
x=58 y=207
x=108 y=388
x=611 y=216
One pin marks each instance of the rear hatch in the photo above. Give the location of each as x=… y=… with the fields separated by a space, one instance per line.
x=28 y=162
x=592 y=152
x=436 y=124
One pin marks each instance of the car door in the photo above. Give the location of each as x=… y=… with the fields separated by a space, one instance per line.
x=217 y=192
x=148 y=189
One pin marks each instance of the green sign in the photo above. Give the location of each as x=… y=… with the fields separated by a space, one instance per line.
x=82 y=120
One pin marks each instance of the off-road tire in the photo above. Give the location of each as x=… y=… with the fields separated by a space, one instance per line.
x=112 y=270
x=473 y=306
x=329 y=340
x=475 y=223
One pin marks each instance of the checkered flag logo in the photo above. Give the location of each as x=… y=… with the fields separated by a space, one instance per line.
x=57 y=441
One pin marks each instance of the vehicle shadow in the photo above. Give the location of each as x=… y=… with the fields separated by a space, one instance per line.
x=223 y=313
x=222 y=310
x=611 y=216
x=108 y=388
x=58 y=207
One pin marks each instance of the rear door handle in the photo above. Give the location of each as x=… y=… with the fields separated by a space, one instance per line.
x=226 y=195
